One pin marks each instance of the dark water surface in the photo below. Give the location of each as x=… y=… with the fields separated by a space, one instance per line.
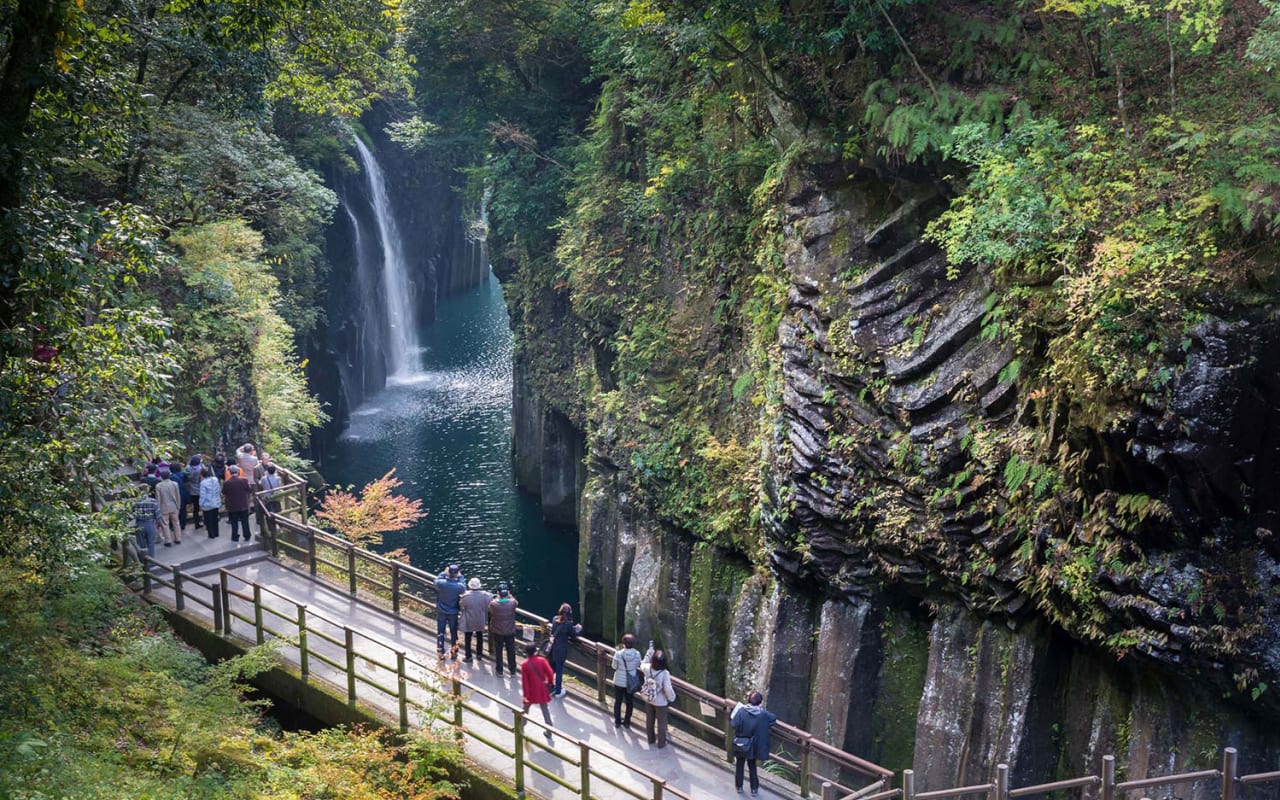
x=447 y=433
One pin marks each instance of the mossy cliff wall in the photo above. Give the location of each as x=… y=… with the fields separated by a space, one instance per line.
x=892 y=614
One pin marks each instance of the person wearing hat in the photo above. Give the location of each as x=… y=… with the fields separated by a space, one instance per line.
x=502 y=627
x=450 y=584
x=474 y=606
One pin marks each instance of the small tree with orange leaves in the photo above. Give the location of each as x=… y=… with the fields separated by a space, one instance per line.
x=377 y=510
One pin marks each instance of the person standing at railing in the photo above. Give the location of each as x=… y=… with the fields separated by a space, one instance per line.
x=750 y=738
x=146 y=513
x=660 y=694
x=474 y=606
x=178 y=474
x=169 y=499
x=237 y=492
x=210 y=500
x=450 y=584
x=502 y=627
x=193 y=487
x=562 y=628
x=536 y=676
x=270 y=483
x=627 y=679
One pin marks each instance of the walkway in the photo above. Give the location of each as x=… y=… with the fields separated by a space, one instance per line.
x=359 y=647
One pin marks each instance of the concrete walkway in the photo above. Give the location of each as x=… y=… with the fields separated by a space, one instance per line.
x=688 y=765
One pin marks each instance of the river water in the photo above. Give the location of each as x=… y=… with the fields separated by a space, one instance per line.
x=447 y=433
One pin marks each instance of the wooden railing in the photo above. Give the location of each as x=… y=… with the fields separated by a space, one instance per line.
x=326 y=645
x=398 y=586
x=1105 y=783
x=402 y=588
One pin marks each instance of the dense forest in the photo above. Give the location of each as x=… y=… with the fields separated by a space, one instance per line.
x=960 y=305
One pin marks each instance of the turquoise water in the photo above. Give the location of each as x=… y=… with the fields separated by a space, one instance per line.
x=447 y=433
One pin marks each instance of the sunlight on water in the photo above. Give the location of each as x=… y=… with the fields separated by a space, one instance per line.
x=447 y=432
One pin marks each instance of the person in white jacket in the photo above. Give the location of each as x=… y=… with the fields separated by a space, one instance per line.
x=626 y=679
x=663 y=695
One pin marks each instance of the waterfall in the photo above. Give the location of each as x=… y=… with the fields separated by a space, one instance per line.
x=402 y=351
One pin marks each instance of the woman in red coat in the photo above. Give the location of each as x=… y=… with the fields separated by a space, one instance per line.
x=536 y=677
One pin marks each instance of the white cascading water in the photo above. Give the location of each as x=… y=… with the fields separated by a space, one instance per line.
x=403 y=360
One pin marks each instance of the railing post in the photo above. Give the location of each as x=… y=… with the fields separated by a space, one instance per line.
x=658 y=785
x=226 y=602
x=146 y=573
x=304 y=661
x=806 y=745
x=311 y=553
x=519 y=748
x=600 y=673
x=351 y=665
x=908 y=784
x=180 y=602
x=828 y=791
x=1108 y=778
x=402 y=685
x=1229 y=774
x=257 y=612
x=585 y=766
x=274 y=528
x=217 y=609
x=1002 y=782
x=351 y=568
x=728 y=731
x=302 y=502
x=456 y=690
x=395 y=588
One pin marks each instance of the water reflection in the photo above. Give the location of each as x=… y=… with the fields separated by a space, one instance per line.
x=447 y=432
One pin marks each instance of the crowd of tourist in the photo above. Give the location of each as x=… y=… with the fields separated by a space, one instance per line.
x=203 y=490
x=465 y=606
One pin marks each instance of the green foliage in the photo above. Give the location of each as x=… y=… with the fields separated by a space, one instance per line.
x=97 y=700
x=238 y=351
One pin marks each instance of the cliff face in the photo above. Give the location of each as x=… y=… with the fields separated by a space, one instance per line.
x=900 y=619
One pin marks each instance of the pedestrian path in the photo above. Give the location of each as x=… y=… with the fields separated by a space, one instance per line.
x=581 y=724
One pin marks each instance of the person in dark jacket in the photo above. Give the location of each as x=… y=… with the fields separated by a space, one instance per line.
x=562 y=627
x=236 y=493
x=450 y=584
x=502 y=627
x=751 y=738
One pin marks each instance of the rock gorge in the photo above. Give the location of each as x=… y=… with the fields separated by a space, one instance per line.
x=913 y=362
x=887 y=645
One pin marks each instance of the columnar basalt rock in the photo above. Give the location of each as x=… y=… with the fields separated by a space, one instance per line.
x=896 y=619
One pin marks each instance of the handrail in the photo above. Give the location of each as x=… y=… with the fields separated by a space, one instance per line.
x=810 y=751
x=584 y=748
x=221 y=595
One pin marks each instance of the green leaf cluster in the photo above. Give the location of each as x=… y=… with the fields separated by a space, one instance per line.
x=98 y=699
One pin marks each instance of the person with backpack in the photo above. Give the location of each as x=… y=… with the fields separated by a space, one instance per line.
x=663 y=694
x=750 y=738
x=146 y=514
x=627 y=680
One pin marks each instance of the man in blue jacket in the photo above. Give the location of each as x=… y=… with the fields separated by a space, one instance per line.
x=751 y=738
x=450 y=585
